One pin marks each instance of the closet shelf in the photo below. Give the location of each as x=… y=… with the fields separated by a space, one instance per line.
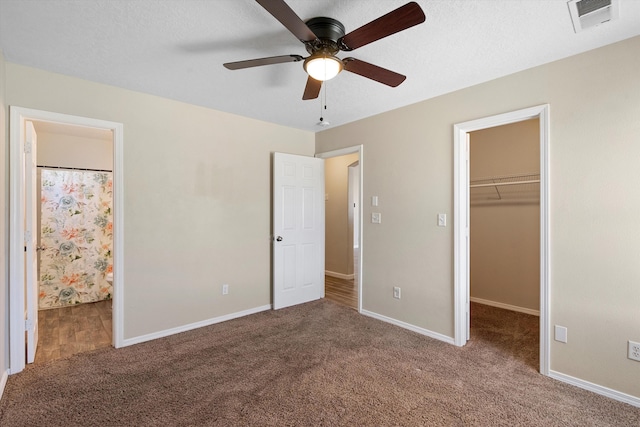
x=526 y=184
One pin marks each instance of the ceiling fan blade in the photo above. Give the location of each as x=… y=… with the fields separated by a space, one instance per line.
x=287 y=17
x=262 y=61
x=312 y=89
x=395 y=21
x=373 y=72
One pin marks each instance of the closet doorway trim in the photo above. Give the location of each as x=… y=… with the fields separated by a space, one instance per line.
x=461 y=221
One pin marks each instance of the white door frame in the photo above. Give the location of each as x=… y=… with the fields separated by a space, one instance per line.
x=461 y=221
x=18 y=116
x=342 y=152
x=354 y=171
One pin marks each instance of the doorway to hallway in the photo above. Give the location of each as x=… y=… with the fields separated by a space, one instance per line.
x=343 y=226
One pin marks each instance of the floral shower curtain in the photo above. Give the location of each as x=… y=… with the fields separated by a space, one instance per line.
x=76 y=237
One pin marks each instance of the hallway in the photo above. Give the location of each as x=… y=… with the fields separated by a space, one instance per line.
x=342 y=291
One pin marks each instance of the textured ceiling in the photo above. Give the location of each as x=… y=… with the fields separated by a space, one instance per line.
x=176 y=48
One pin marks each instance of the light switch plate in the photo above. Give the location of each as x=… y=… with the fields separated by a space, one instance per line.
x=374 y=200
x=561 y=334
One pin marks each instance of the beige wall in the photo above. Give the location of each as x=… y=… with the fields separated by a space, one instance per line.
x=196 y=197
x=594 y=204
x=72 y=151
x=4 y=232
x=197 y=202
x=505 y=232
x=338 y=235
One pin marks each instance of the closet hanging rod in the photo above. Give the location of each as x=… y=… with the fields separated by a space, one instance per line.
x=499 y=184
x=75 y=169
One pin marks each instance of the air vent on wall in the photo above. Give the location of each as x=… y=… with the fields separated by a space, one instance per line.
x=590 y=13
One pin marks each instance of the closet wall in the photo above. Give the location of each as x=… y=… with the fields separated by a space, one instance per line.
x=505 y=219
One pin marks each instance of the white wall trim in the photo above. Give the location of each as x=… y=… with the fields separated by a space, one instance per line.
x=17 y=118
x=404 y=325
x=196 y=325
x=595 y=388
x=3 y=382
x=341 y=152
x=506 y=306
x=338 y=275
x=461 y=221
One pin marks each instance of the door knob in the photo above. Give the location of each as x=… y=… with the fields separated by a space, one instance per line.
x=279 y=239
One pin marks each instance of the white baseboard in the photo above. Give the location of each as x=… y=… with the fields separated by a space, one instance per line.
x=185 y=328
x=338 y=275
x=595 y=388
x=409 y=326
x=3 y=382
x=505 y=306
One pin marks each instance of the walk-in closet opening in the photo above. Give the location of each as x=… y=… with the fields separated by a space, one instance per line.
x=504 y=205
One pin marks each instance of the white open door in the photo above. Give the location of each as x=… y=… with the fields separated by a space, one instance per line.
x=298 y=229
x=31 y=240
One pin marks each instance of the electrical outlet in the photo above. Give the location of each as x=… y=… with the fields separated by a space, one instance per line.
x=634 y=351
x=225 y=289
x=396 y=292
x=442 y=220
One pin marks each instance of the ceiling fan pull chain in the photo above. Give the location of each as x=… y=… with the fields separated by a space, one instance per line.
x=325 y=96
x=323 y=106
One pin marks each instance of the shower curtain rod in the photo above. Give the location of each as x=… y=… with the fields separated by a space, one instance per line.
x=75 y=169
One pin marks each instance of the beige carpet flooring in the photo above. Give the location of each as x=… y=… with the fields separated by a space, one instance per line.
x=318 y=364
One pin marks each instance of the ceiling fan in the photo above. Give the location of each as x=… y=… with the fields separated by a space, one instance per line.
x=325 y=37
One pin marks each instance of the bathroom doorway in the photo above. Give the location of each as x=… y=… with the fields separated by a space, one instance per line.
x=24 y=286
x=74 y=238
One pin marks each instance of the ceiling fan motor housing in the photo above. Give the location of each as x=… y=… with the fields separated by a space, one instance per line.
x=328 y=31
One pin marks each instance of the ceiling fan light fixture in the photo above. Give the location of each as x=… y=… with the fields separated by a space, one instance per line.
x=322 y=67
